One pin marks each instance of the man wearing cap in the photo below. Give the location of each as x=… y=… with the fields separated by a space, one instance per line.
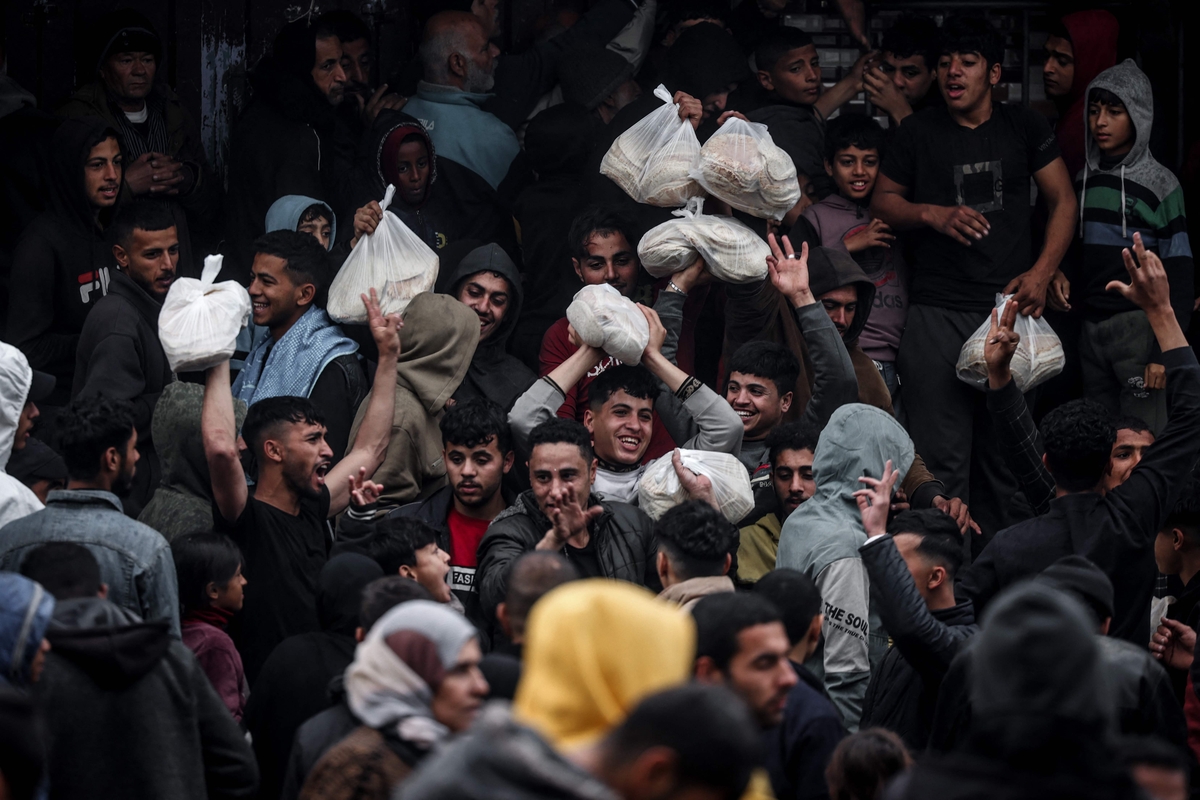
x=21 y=388
x=600 y=80
x=163 y=158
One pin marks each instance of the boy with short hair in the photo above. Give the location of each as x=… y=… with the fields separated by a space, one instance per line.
x=1124 y=190
x=853 y=149
x=762 y=379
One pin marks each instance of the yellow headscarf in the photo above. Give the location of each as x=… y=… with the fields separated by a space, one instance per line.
x=593 y=650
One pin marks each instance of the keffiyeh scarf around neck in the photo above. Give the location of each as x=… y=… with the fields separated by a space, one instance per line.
x=291 y=367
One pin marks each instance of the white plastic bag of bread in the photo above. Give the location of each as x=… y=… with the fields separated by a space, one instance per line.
x=653 y=160
x=393 y=261
x=603 y=318
x=1038 y=358
x=741 y=165
x=199 y=322
x=660 y=489
x=732 y=252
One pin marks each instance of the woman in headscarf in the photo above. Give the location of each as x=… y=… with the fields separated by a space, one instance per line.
x=414 y=682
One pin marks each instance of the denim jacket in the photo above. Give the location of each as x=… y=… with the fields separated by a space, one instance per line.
x=135 y=560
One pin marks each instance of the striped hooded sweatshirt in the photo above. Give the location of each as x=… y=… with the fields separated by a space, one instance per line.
x=1134 y=195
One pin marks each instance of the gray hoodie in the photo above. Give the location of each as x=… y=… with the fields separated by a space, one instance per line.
x=821 y=539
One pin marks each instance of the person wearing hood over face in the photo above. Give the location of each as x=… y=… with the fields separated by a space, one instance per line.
x=285 y=142
x=295 y=212
x=836 y=304
x=1123 y=190
x=129 y=711
x=486 y=280
x=294 y=683
x=182 y=503
x=1044 y=721
x=61 y=265
x=25 y=609
x=821 y=539
x=164 y=156
x=414 y=683
x=1079 y=47
x=20 y=390
x=439 y=339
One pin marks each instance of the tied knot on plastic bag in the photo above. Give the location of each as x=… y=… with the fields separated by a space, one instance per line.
x=741 y=165
x=603 y=318
x=393 y=261
x=660 y=489
x=653 y=160
x=732 y=252
x=200 y=319
x=1039 y=355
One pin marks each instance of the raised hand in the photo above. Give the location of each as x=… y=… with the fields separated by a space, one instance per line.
x=690 y=108
x=658 y=332
x=366 y=220
x=698 y=487
x=385 y=329
x=956 y=508
x=874 y=501
x=567 y=518
x=363 y=491
x=1000 y=345
x=789 y=272
x=695 y=274
x=1148 y=288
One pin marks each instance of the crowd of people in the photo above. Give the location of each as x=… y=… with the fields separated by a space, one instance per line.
x=410 y=559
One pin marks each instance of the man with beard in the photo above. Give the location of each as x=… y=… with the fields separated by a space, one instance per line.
x=119 y=354
x=478 y=453
x=282 y=526
x=98 y=441
x=459 y=72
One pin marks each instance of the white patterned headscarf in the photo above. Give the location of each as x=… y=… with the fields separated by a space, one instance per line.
x=400 y=665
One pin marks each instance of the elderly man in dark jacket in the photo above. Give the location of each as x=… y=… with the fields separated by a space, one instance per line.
x=602 y=539
x=119 y=354
x=912 y=571
x=1115 y=529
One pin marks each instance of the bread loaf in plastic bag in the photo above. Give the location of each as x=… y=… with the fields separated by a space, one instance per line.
x=1038 y=358
x=653 y=160
x=200 y=320
x=603 y=318
x=741 y=165
x=732 y=252
x=659 y=490
x=393 y=261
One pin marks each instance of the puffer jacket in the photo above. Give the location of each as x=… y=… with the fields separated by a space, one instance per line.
x=903 y=691
x=625 y=544
x=16 y=499
x=821 y=539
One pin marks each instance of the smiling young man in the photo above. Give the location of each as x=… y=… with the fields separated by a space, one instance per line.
x=282 y=526
x=119 y=354
x=958 y=179
x=621 y=407
x=299 y=351
x=603 y=538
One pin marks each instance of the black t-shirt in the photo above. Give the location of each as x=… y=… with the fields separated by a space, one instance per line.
x=283 y=556
x=987 y=168
x=585 y=559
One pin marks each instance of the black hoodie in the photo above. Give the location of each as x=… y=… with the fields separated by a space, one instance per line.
x=61 y=265
x=130 y=713
x=493 y=373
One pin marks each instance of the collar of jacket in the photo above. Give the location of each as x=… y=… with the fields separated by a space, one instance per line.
x=84 y=497
x=124 y=286
x=451 y=95
x=961 y=614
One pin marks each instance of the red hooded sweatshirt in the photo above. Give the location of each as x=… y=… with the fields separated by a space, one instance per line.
x=1094 y=41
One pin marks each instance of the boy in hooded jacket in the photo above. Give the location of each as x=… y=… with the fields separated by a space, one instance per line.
x=821 y=538
x=1123 y=190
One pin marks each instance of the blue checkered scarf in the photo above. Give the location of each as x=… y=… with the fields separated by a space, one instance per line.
x=291 y=367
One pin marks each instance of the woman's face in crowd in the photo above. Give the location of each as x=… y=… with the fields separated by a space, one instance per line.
x=231 y=596
x=102 y=174
x=621 y=429
x=965 y=80
x=486 y=293
x=461 y=693
x=318 y=227
x=854 y=171
x=610 y=260
x=412 y=172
